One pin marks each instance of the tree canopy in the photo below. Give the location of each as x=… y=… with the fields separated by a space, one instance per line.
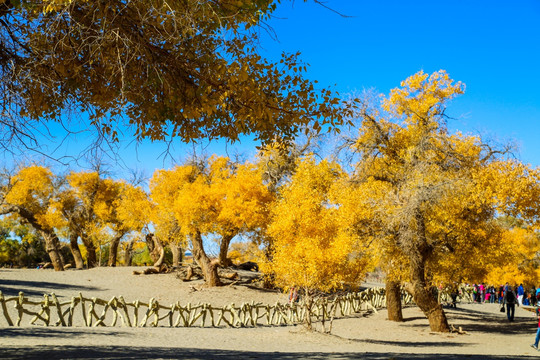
x=313 y=247
x=189 y=70
x=439 y=193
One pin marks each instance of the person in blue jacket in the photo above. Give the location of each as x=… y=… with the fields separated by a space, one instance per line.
x=520 y=293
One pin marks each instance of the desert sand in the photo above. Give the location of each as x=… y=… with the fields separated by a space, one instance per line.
x=364 y=336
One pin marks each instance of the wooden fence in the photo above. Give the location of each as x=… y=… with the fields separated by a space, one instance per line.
x=464 y=295
x=82 y=311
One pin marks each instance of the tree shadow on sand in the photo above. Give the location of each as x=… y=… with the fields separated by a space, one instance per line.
x=38 y=288
x=118 y=352
x=482 y=322
x=50 y=332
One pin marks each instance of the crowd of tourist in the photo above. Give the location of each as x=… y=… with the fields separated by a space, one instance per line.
x=507 y=296
x=482 y=293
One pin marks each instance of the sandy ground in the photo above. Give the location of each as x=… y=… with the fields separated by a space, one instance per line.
x=365 y=336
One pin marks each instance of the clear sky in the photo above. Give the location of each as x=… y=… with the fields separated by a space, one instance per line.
x=491 y=46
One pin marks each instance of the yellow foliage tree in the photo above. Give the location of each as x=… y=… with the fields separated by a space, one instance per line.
x=219 y=200
x=133 y=210
x=92 y=206
x=520 y=264
x=439 y=193
x=128 y=212
x=164 y=186
x=29 y=194
x=186 y=69
x=78 y=203
x=313 y=245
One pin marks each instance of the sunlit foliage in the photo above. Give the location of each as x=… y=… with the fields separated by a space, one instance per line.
x=188 y=69
x=313 y=248
x=435 y=208
x=218 y=200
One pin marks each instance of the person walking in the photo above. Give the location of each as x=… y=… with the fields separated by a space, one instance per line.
x=535 y=345
x=501 y=294
x=510 y=300
x=520 y=293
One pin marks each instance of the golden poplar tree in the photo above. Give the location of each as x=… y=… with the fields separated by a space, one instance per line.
x=437 y=193
x=313 y=246
x=29 y=194
x=218 y=200
x=188 y=69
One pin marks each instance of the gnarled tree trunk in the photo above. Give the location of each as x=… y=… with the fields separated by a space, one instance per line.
x=209 y=267
x=128 y=253
x=156 y=249
x=113 y=250
x=393 y=300
x=224 y=250
x=91 y=258
x=74 y=247
x=177 y=253
x=424 y=297
x=53 y=249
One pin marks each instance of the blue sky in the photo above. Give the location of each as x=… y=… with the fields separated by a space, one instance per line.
x=491 y=46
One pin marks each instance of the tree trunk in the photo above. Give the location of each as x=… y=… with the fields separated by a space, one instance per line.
x=426 y=300
x=224 y=250
x=393 y=300
x=128 y=253
x=308 y=303
x=177 y=253
x=79 y=263
x=208 y=267
x=51 y=246
x=418 y=251
x=113 y=250
x=156 y=249
x=91 y=258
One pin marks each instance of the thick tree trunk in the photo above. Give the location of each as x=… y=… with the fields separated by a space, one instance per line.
x=393 y=300
x=91 y=258
x=79 y=262
x=418 y=251
x=177 y=254
x=156 y=249
x=149 y=239
x=52 y=248
x=224 y=250
x=209 y=267
x=426 y=300
x=128 y=254
x=113 y=250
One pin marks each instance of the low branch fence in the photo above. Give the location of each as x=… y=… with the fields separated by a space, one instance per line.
x=82 y=311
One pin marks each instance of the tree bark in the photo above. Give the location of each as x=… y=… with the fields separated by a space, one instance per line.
x=177 y=253
x=393 y=300
x=91 y=258
x=51 y=246
x=128 y=254
x=224 y=250
x=418 y=251
x=209 y=267
x=156 y=249
x=113 y=250
x=79 y=263
x=426 y=300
